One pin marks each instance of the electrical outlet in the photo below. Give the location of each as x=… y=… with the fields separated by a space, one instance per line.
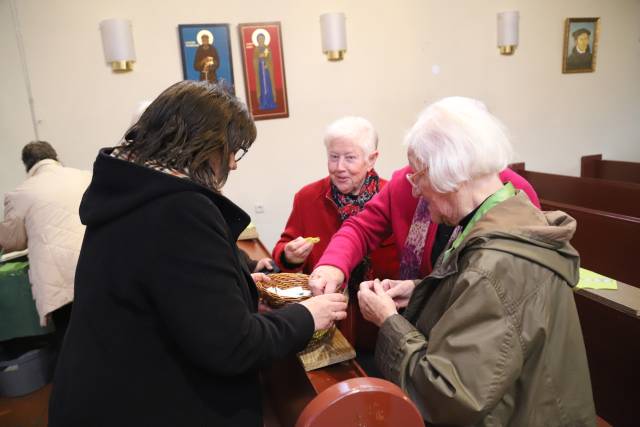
x=258 y=208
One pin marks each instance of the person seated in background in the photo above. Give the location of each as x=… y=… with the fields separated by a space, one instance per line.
x=165 y=329
x=41 y=215
x=320 y=208
x=491 y=336
x=394 y=214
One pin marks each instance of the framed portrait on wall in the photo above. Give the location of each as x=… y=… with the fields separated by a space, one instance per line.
x=206 y=53
x=580 y=45
x=263 y=64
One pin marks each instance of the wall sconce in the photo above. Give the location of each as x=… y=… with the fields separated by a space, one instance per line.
x=117 y=42
x=508 y=31
x=334 y=35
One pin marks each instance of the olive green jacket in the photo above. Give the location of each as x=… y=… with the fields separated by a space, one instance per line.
x=492 y=336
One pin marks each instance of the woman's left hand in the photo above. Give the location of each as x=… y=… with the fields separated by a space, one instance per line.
x=376 y=306
x=260 y=277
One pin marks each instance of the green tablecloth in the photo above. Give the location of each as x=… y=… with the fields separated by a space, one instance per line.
x=18 y=315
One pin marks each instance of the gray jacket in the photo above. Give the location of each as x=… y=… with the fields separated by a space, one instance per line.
x=492 y=336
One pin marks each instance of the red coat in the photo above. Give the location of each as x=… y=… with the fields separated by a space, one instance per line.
x=314 y=214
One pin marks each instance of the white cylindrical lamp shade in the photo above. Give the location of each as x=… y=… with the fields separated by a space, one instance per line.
x=117 y=42
x=508 y=23
x=334 y=35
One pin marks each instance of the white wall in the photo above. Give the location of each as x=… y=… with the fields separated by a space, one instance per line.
x=386 y=76
x=15 y=120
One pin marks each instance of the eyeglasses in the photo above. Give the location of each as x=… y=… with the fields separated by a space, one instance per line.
x=411 y=177
x=238 y=155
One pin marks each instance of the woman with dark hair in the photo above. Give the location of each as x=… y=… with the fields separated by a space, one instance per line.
x=165 y=329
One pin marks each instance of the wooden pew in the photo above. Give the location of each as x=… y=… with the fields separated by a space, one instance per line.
x=610 y=322
x=604 y=195
x=594 y=167
x=293 y=397
x=607 y=242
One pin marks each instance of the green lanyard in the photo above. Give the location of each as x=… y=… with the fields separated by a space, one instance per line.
x=506 y=192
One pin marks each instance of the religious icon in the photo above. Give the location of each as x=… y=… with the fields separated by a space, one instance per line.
x=206 y=53
x=264 y=70
x=580 y=45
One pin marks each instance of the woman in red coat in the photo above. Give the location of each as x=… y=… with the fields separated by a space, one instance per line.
x=320 y=208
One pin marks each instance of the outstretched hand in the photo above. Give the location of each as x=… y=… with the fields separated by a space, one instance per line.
x=325 y=279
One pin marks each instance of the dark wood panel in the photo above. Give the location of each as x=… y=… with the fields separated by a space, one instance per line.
x=604 y=195
x=595 y=167
x=607 y=242
x=612 y=341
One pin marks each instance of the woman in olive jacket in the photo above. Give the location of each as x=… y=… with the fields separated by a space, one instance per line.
x=491 y=337
x=165 y=329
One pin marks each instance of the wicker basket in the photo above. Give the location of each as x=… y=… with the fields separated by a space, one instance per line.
x=286 y=281
x=282 y=281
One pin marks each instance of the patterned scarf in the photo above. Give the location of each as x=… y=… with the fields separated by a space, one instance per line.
x=413 y=250
x=349 y=205
x=411 y=257
x=118 y=153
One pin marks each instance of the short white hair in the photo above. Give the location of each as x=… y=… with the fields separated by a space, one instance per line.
x=356 y=129
x=457 y=140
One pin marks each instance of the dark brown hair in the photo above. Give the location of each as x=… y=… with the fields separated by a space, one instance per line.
x=35 y=151
x=186 y=125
